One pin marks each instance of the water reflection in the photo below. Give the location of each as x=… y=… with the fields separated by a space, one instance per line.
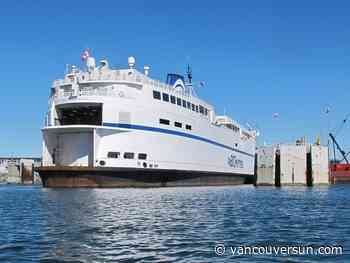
x=166 y=224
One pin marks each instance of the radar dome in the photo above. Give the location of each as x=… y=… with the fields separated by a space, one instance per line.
x=131 y=62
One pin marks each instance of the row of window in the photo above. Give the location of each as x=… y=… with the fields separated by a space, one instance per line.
x=127 y=155
x=176 y=124
x=180 y=102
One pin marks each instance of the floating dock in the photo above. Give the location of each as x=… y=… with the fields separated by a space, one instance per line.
x=266 y=165
x=319 y=164
x=292 y=164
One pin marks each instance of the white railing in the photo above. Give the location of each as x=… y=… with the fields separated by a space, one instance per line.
x=68 y=93
x=96 y=92
x=111 y=75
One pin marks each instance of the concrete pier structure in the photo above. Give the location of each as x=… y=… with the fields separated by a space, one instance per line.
x=13 y=175
x=266 y=165
x=292 y=164
x=17 y=170
x=319 y=164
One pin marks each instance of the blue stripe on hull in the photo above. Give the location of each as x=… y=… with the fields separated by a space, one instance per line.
x=178 y=133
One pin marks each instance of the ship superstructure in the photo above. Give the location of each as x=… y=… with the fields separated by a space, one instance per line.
x=118 y=127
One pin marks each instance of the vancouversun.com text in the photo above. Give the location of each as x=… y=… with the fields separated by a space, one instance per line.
x=278 y=250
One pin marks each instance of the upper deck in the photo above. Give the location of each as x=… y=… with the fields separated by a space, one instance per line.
x=104 y=83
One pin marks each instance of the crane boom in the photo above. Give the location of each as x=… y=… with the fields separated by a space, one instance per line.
x=339 y=148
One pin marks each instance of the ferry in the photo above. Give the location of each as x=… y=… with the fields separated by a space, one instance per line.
x=109 y=127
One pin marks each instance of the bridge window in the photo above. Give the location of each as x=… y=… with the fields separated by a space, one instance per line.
x=128 y=155
x=114 y=155
x=142 y=156
x=165 y=97
x=201 y=109
x=164 y=121
x=156 y=95
x=178 y=101
x=188 y=127
x=193 y=107
x=196 y=108
x=184 y=103
x=205 y=111
x=188 y=105
x=172 y=99
x=178 y=124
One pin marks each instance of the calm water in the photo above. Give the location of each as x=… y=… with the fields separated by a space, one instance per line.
x=169 y=224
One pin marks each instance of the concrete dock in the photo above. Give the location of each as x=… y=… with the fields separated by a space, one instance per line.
x=18 y=170
x=292 y=164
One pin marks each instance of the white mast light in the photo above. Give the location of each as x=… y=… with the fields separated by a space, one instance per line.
x=146 y=70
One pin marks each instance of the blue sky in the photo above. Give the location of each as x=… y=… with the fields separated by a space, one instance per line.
x=256 y=58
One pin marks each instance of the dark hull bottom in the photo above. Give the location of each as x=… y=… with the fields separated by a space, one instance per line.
x=133 y=177
x=340 y=177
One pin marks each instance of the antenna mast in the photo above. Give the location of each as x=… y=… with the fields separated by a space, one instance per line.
x=189 y=73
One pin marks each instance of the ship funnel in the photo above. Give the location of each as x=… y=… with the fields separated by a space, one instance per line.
x=131 y=62
x=146 y=69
